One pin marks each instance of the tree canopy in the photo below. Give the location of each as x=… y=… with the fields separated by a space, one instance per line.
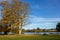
x=14 y=14
x=58 y=27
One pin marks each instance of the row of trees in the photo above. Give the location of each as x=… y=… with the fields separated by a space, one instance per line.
x=40 y=30
x=14 y=14
x=57 y=29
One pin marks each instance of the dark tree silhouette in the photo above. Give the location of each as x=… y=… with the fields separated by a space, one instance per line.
x=38 y=28
x=58 y=27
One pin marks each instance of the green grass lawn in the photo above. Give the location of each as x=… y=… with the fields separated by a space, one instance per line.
x=29 y=37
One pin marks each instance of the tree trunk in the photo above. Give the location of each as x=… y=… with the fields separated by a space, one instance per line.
x=20 y=30
x=20 y=27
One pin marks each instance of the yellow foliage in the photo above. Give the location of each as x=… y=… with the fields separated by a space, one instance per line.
x=14 y=14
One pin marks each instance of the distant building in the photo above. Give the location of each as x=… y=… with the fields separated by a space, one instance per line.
x=52 y=30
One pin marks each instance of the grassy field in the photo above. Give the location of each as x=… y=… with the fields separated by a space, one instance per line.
x=29 y=37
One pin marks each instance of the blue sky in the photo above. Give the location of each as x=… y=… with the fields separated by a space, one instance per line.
x=45 y=14
x=45 y=8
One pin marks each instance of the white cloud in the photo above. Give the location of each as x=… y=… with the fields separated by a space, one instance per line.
x=35 y=7
x=39 y=19
x=42 y=22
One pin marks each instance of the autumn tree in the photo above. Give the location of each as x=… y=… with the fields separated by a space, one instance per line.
x=14 y=14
